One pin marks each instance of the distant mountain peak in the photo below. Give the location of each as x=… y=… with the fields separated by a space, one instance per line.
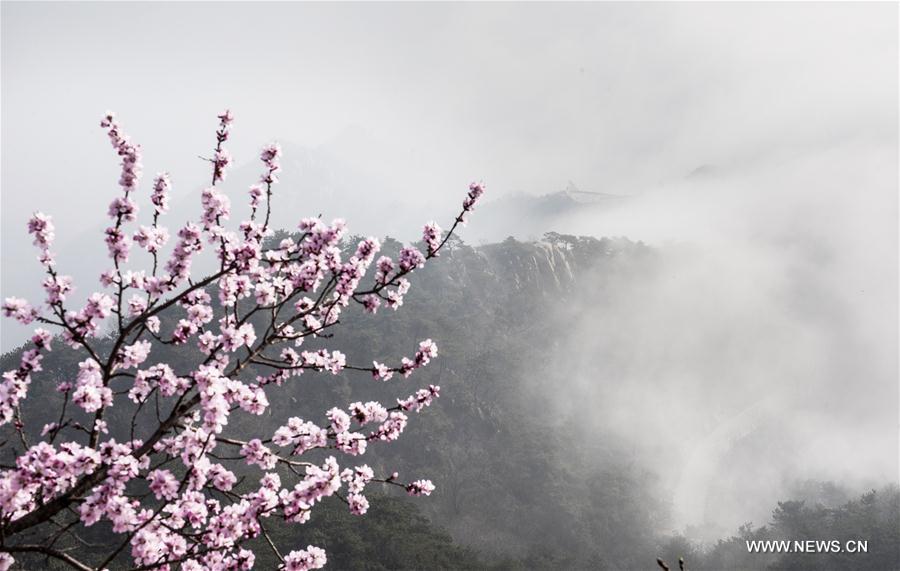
x=703 y=171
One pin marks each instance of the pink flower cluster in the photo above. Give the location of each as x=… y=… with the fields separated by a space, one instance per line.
x=160 y=196
x=422 y=398
x=90 y=392
x=41 y=227
x=19 y=309
x=133 y=355
x=159 y=377
x=222 y=158
x=151 y=238
x=57 y=287
x=122 y=208
x=86 y=322
x=130 y=153
x=356 y=480
x=179 y=265
x=410 y=259
x=476 y=190
x=305 y=559
x=302 y=436
x=431 y=235
x=255 y=453
x=14 y=383
x=256 y=192
x=44 y=471
x=216 y=207
x=427 y=351
x=269 y=156
x=169 y=486
x=420 y=488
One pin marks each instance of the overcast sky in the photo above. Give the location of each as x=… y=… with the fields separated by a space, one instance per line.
x=526 y=96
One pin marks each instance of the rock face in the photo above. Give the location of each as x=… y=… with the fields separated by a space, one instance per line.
x=536 y=267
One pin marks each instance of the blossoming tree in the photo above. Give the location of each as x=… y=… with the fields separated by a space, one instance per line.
x=170 y=490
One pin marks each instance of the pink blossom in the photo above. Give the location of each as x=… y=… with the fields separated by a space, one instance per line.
x=151 y=238
x=319 y=482
x=340 y=420
x=41 y=339
x=118 y=244
x=99 y=305
x=369 y=412
x=222 y=160
x=199 y=314
x=270 y=153
x=352 y=443
x=265 y=294
x=256 y=192
x=476 y=190
x=371 y=303
x=222 y=479
x=57 y=287
x=179 y=265
x=153 y=324
x=19 y=309
x=421 y=399
x=122 y=208
x=395 y=296
x=410 y=259
x=420 y=488
x=130 y=153
x=357 y=478
x=427 y=351
x=163 y=484
x=41 y=226
x=310 y=558
x=134 y=355
x=323 y=360
x=134 y=279
x=208 y=341
x=269 y=156
x=391 y=428
x=235 y=338
x=136 y=305
x=226 y=118
x=216 y=207
x=255 y=453
x=90 y=394
x=384 y=266
x=431 y=235
x=301 y=435
x=160 y=196
x=359 y=505
x=381 y=372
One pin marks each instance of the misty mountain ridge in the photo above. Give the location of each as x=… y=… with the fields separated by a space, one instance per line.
x=343 y=178
x=528 y=216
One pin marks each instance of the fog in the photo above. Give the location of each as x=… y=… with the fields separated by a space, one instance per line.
x=761 y=351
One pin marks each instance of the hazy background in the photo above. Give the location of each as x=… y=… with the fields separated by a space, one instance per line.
x=757 y=145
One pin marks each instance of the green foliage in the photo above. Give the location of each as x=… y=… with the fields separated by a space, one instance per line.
x=873 y=517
